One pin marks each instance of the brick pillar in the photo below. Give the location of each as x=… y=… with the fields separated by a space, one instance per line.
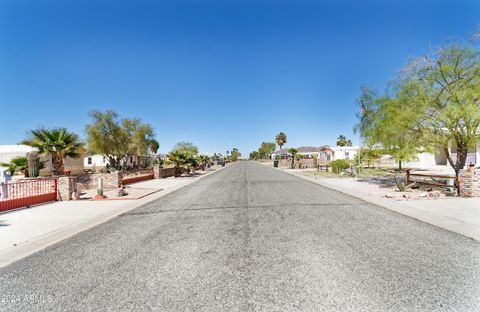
x=157 y=172
x=66 y=187
x=469 y=180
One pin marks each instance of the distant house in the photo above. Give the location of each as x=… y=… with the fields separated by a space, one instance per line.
x=344 y=152
x=305 y=151
x=9 y=152
x=99 y=162
x=325 y=153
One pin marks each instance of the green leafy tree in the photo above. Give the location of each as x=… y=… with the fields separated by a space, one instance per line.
x=281 y=139
x=343 y=141
x=253 y=155
x=235 y=154
x=369 y=155
x=59 y=143
x=293 y=152
x=187 y=147
x=266 y=149
x=448 y=84
x=435 y=102
x=390 y=121
x=116 y=138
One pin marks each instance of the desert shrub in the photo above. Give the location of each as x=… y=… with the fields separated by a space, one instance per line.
x=400 y=184
x=339 y=165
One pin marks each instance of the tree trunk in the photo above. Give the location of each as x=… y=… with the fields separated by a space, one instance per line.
x=399 y=165
x=57 y=163
x=293 y=162
x=462 y=150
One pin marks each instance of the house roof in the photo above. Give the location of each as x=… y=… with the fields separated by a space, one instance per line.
x=344 y=148
x=302 y=150
x=4 y=149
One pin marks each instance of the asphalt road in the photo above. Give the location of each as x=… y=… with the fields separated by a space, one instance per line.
x=251 y=238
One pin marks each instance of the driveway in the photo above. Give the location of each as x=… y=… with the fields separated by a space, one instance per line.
x=251 y=238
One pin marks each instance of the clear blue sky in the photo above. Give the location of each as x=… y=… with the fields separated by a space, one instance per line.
x=221 y=74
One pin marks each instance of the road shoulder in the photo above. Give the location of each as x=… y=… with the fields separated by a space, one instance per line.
x=35 y=231
x=430 y=216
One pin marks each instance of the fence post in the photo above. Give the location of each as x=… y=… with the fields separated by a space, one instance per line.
x=3 y=190
x=408 y=176
x=55 y=184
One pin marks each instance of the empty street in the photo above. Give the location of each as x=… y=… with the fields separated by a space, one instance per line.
x=251 y=238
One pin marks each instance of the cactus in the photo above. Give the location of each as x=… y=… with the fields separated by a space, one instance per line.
x=34 y=164
x=100 y=187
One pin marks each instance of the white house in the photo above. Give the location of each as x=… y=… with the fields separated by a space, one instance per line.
x=326 y=153
x=344 y=152
x=305 y=151
x=97 y=162
x=9 y=152
x=438 y=157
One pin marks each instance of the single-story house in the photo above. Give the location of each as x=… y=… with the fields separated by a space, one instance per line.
x=305 y=151
x=97 y=162
x=438 y=157
x=9 y=152
x=324 y=153
x=344 y=152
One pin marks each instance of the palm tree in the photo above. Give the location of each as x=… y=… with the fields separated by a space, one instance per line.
x=58 y=142
x=17 y=164
x=154 y=146
x=178 y=158
x=281 y=139
x=205 y=160
x=294 y=152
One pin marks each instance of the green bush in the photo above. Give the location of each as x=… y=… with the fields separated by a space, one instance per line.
x=339 y=165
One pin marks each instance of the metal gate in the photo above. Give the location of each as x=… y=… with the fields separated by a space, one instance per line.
x=26 y=193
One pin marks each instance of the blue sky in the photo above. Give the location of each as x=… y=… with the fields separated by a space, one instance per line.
x=221 y=74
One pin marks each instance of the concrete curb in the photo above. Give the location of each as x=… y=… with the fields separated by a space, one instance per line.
x=28 y=248
x=446 y=223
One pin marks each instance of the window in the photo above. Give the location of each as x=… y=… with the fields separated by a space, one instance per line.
x=89 y=160
x=347 y=155
x=104 y=159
